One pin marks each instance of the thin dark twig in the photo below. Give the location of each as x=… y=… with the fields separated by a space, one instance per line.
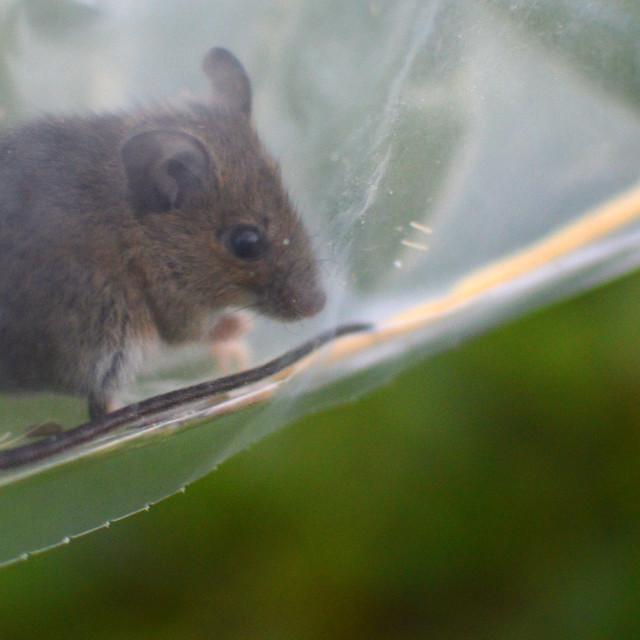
x=90 y=431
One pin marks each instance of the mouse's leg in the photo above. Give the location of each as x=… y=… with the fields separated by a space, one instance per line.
x=227 y=344
x=102 y=396
x=99 y=406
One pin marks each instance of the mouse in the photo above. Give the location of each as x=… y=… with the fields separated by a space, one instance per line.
x=122 y=233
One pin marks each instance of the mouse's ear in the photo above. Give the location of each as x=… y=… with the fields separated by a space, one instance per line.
x=163 y=167
x=229 y=81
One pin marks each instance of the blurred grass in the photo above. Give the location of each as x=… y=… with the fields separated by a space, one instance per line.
x=492 y=492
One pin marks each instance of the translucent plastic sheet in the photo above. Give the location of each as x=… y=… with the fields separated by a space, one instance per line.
x=458 y=163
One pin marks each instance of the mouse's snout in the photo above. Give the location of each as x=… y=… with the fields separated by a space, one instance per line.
x=293 y=299
x=308 y=303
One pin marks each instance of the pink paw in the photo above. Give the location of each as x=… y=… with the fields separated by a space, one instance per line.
x=227 y=343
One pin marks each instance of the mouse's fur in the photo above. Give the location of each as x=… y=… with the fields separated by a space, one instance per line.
x=119 y=232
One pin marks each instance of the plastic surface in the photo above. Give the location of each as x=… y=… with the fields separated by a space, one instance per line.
x=455 y=161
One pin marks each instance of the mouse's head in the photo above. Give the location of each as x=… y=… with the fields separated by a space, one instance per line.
x=213 y=206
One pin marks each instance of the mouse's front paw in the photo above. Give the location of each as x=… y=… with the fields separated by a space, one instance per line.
x=227 y=341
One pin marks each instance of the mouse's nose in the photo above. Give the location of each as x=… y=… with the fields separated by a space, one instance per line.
x=309 y=303
x=289 y=302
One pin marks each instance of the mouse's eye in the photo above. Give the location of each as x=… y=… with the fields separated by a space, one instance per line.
x=247 y=242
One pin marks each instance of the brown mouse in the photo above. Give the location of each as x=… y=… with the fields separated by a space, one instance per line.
x=123 y=232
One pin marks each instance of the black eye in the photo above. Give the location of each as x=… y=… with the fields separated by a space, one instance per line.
x=246 y=242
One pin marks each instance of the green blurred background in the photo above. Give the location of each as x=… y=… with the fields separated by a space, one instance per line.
x=493 y=492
